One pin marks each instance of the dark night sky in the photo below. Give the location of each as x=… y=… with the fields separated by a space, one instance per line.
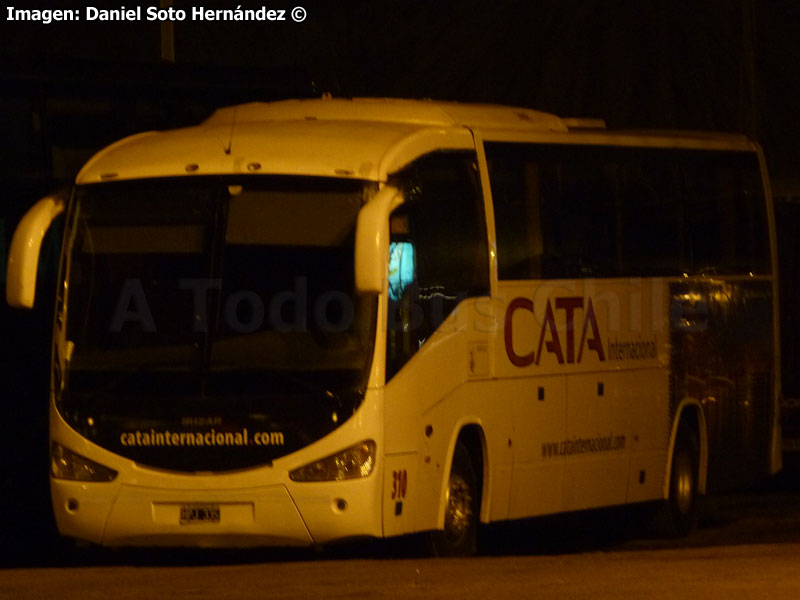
x=636 y=64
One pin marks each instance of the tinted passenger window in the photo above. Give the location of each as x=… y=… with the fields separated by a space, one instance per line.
x=565 y=211
x=651 y=212
x=726 y=228
x=579 y=224
x=555 y=212
x=517 y=213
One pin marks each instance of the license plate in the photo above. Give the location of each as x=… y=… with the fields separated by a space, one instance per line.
x=193 y=514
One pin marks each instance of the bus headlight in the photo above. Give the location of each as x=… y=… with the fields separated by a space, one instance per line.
x=352 y=463
x=65 y=464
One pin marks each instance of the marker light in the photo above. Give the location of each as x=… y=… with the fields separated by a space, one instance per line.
x=65 y=464
x=352 y=463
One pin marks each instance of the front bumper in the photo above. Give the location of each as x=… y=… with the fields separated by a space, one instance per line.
x=114 y=514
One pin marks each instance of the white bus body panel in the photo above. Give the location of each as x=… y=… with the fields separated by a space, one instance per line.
x=549 y=429
x=427 y=407
x=591 y=423
x=258 y=506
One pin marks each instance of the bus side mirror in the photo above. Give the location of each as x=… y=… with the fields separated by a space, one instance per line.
x=23 y=257
x=372 y=240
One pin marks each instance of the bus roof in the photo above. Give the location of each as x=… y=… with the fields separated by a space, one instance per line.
x=426 y=113
x=325 y=137
x=363 y=138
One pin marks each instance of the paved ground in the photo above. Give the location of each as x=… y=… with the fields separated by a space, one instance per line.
x=747 y=546
x=743 y=571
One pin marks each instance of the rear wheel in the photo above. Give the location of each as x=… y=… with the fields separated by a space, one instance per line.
x=682 y=503
x=460 y=534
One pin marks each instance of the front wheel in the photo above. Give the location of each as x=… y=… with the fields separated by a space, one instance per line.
x=460 y=534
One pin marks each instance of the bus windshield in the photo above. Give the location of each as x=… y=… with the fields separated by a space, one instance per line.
x=211 y=309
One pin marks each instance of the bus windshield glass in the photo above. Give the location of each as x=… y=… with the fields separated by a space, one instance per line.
x=203 y=312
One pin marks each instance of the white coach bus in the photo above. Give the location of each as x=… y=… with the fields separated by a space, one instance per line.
x=316 y=320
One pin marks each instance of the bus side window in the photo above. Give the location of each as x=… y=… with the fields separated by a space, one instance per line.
x=579 y=224
x=752 y=229
x=438 y=250
x=725 y=214
x=517 y=213
x=555 y=211
x=651 y=212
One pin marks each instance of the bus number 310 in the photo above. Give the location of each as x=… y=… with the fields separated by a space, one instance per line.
x=399 y=484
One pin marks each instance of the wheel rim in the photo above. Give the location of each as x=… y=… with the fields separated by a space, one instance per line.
x=684 y=483
x=459 y=508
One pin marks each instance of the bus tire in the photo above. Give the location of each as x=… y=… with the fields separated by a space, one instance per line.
x=681 y=505
x=460 y=534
